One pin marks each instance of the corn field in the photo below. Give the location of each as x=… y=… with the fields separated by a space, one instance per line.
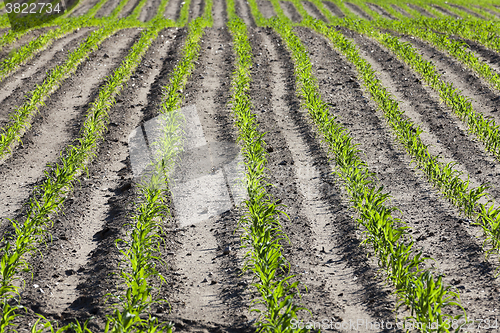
x=249 y=166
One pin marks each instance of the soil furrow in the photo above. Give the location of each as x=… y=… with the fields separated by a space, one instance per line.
x=219 y=14
x=438 y=229
x=149 y=10
x=443 y=131
x=84 y=8
x=128 y=8
x=334 y=9
x=290 y=11
x=483 y=99
x=324 y=250
x=266 y=8
x=314 y=11
x=107 y=8
x=358 y=11
x=15 y=87
x=491 y=57
x=57 y=123
x=242 y=9
x=420 y=10
x=196 y=9
x=401 y=10
x=211 y=293
x=173 y=9
x=98 y=210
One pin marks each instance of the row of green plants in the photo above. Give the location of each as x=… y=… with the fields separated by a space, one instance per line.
x=423 y=292
x=12 y=35
x=20 y=119
x=485 y=130
x=48 y=198
x=66 y=26
x=415 y=14
x=141 y=247
x=262 y=229
x=443 y=176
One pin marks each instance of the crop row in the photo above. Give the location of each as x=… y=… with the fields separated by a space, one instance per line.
x=140 y=252
x=13 y=35
x=49 y=197
x=21 y=117
x=262 y=229
x=418 y=288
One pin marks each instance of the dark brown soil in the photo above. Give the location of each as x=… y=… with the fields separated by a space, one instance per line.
x=333 y=8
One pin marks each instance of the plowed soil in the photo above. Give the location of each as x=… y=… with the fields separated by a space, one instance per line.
x=206 y=288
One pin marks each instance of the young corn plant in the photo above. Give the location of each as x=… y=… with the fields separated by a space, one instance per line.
x=262 y=229
x=141 y=250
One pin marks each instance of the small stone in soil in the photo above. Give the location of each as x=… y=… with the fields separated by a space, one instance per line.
x=227 y=250
x=213 y=282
